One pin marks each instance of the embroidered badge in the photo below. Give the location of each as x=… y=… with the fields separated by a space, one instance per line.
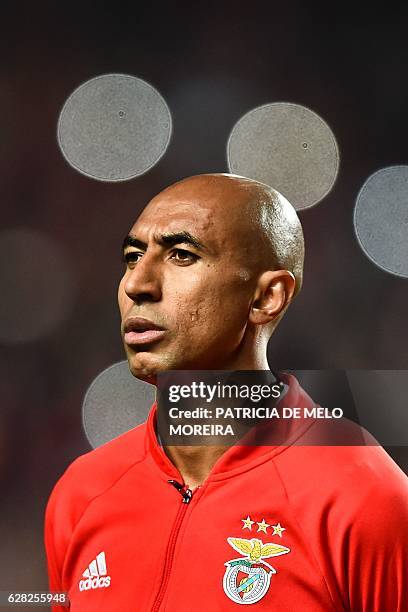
x=247 y=580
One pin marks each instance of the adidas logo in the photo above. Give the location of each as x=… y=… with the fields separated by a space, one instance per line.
x=95 y=574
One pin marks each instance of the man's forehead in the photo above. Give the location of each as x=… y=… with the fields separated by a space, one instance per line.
x=168 y=214
x=217 y=209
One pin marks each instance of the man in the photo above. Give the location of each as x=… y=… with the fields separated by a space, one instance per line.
x=212 y=264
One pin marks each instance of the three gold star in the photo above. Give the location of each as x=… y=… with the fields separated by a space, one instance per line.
x=263 y=526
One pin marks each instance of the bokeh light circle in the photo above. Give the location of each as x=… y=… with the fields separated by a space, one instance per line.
x=114 y=403
x=38 y=285
x=114 y=127
x=381 y=219
x=288 y=147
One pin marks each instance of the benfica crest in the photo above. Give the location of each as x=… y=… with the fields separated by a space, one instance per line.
x=247 y=580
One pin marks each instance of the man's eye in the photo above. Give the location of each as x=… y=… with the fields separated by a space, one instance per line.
x=182 y=256
x=132 y=257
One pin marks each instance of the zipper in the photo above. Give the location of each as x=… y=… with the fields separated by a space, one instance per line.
x=186 y=494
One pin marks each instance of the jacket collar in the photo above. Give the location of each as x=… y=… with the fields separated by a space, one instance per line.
x=240 y=457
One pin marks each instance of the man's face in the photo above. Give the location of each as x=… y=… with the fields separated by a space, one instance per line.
x=188 y=272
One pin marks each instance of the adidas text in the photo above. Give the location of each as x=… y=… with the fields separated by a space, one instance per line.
x=94 y=583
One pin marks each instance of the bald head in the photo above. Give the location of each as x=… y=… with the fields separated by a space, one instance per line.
x=266 y=225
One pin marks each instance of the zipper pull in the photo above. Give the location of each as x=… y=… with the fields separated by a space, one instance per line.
x=184 y=492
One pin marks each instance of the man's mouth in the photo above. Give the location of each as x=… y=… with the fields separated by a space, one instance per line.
x=138 y=330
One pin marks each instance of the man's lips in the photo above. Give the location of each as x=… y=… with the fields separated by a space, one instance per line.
x=138 y=330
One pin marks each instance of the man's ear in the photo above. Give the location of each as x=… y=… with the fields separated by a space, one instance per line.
x=274 y=291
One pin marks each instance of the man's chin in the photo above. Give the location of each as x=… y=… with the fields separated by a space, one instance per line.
x=146 y=366
x=144 y=373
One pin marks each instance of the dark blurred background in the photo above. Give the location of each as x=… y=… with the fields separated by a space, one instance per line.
x=212 y=63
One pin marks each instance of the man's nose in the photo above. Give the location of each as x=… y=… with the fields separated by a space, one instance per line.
x=143 y=283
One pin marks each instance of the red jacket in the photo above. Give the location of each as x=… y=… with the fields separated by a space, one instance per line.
x=292 y=528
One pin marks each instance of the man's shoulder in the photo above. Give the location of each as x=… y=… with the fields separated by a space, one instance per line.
x=94 y=472
x=116 y=454
x=347 y=478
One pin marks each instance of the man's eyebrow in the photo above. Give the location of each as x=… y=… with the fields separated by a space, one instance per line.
x=169 y=239
x=180 y=237
x=131 y=241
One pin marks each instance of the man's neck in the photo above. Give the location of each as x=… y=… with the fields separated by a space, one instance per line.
x=196 y=462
